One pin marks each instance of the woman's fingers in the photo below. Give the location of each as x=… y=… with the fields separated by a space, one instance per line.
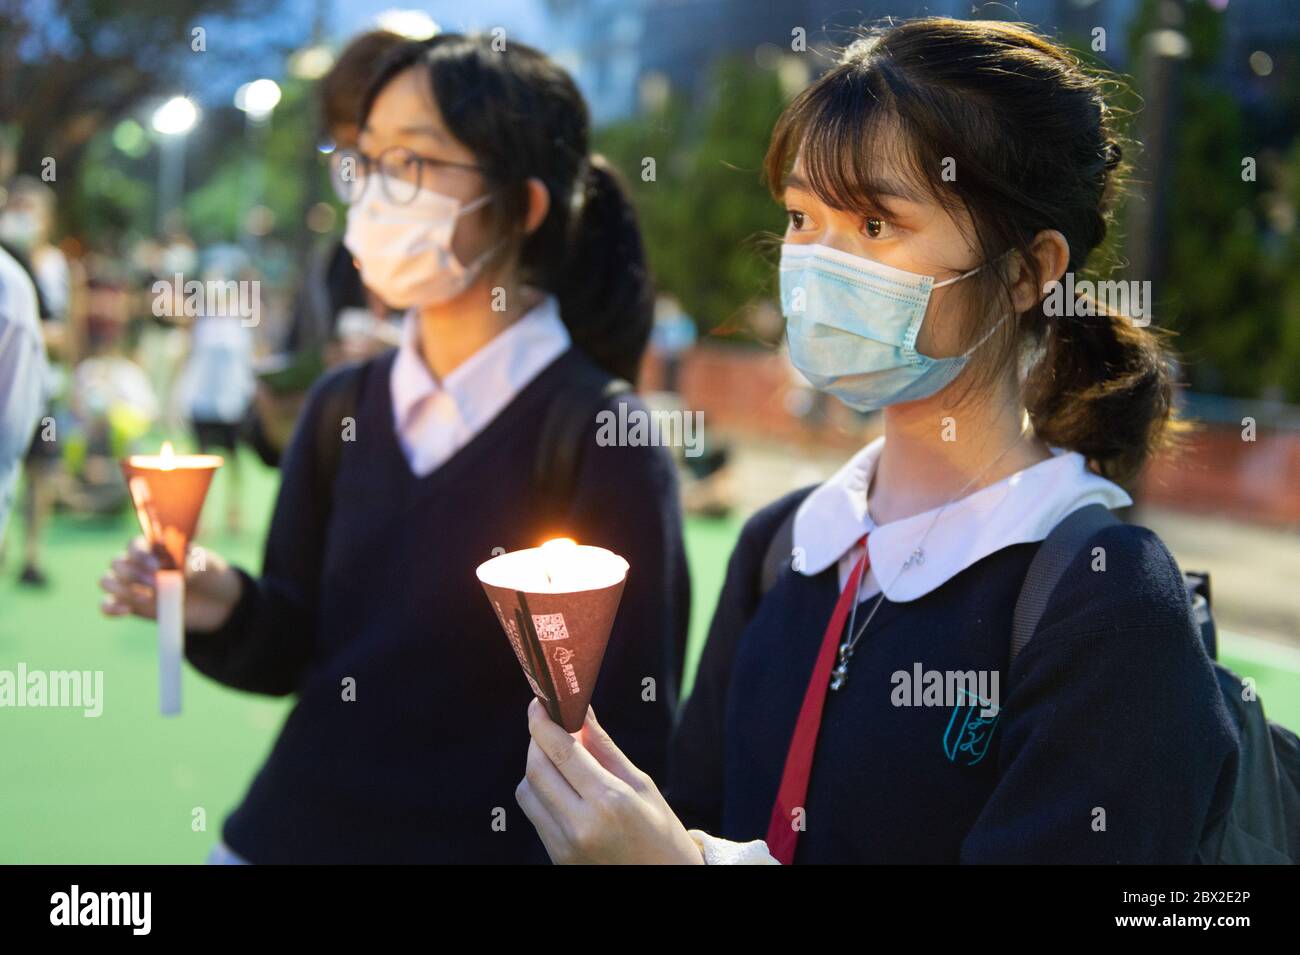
x=553 y=825
x=578 y=767
x=597 y=742
x=130 y=571
x=129 y=591
x=558 y=844
x=129 y=582
x=114 y=607
x=140 y=554
x=550 y=787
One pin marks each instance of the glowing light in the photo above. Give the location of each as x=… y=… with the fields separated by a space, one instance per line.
x=258 y=98
x=412 y=24
x=557 y=557
x=175 y=117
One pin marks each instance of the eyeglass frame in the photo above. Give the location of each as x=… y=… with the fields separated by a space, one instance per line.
x=369 y=163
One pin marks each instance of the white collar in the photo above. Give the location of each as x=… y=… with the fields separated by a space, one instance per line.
x=473 y=393
x=1021 y=508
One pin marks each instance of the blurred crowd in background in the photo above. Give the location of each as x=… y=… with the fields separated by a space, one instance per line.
x=128 y=160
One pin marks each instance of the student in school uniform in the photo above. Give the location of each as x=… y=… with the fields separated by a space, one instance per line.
x=476 y=205
x=935 y=180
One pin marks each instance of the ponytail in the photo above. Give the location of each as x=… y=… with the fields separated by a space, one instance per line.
x=1102 y=386
x=603 y=286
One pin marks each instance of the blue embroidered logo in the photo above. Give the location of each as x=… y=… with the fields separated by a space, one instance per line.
x=969 y=732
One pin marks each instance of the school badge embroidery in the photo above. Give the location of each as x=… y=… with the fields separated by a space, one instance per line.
x=970 y=731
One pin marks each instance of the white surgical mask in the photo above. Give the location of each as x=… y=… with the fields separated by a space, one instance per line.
x=19 y=228
x=404 y=251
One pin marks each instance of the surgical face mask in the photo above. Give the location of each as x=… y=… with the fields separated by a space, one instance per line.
x=404 y=251
x=19 y=228
x=852 y=325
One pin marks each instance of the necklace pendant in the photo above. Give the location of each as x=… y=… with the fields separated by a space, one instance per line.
x=839 y=676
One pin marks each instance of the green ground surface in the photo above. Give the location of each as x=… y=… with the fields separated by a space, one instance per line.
x=126 y=786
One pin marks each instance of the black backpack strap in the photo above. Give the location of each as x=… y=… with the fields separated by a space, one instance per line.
x=1049 y=564
x=339 y=398
x=778 y=554
x=569 y=418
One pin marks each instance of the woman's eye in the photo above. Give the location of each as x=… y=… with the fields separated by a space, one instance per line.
x=875 y=227
x=796 y=219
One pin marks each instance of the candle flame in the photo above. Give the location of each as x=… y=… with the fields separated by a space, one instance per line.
x=557 y=556
x=167 y=457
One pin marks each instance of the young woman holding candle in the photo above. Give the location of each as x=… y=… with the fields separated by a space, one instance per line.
x=935 y=180
x=475 y=204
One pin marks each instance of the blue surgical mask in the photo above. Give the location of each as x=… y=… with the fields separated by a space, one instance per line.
x=852 y=325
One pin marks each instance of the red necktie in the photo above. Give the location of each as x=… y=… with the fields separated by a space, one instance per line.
x=782 y=837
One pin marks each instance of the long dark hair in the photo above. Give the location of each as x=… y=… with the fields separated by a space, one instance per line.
x=522 y=116
x=1034 y=145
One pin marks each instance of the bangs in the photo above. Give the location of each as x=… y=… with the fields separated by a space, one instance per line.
x=856 y=149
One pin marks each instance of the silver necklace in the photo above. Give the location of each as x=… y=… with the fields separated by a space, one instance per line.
x=840 y=675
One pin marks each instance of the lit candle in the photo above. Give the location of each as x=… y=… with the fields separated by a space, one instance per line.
x=168 y=490
x=169 y=586
x=556 y=604
x=559 y=557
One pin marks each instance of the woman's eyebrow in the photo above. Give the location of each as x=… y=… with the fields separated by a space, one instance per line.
x=883 y=189
x=423 y=130
x=432 y=132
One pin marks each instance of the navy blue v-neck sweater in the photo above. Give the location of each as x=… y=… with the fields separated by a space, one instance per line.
x=422 y=765
x=1112 y=743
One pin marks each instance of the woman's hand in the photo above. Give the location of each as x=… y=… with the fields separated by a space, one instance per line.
x=210 y=593
x=591 y=805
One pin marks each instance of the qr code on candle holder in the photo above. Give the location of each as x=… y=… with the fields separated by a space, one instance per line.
x=550 y=626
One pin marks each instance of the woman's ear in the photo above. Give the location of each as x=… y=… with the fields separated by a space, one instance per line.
x=1052 y=253
x=539 y=203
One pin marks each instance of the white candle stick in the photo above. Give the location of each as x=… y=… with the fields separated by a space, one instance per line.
x=170 y=586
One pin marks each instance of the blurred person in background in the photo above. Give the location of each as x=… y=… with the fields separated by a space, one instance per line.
x=27 y=224
x=216 y=386
x=709 y=490
x=334 y=318
x=22 y=374
x=672 y=337
x=112 y=401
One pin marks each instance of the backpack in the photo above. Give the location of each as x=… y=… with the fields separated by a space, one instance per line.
x=559 y=450
x=1262 y=824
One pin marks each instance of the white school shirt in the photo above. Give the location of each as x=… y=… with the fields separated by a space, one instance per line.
x=23 y=375
x=435 y=419
x=1021 y=508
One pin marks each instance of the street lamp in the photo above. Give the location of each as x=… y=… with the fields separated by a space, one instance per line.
x=172 y=120
x=176 y=117
x=257 y=100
